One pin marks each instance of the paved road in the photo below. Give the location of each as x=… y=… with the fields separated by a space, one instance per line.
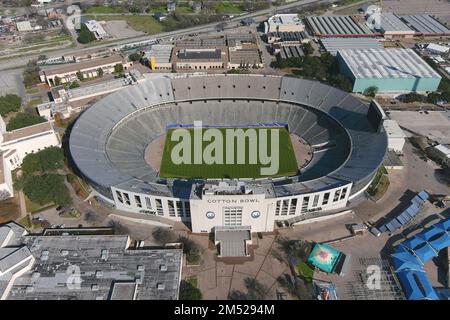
x=258 y=16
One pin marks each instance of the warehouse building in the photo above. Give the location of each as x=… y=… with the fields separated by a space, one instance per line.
x=287 y=38
x=159 y=57
x=333 y=45
x=338 y=26
x=284 y=23
x=393 y=27
x=88 y=69
x=203 y=58
x=426 y=25
x=390 y=70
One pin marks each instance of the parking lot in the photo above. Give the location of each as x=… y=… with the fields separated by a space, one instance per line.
x=433 y=124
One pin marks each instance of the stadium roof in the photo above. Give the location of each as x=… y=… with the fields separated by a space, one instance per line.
x=387 y=63
x=426 y=24
x=135 y=115
x=333 y=45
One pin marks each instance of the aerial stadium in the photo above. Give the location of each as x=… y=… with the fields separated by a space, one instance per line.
x=331 y=146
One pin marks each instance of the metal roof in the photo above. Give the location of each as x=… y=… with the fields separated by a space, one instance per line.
x=392 y=23
x=387 y=63
x=333 y=45
x=427 y=24
x=337 y=25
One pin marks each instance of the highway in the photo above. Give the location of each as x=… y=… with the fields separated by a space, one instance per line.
x=259 y=16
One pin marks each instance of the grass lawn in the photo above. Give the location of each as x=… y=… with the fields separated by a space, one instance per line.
x=184 y=9
x=35 y=207
x=104 y=9
x=146 y=24
x=35 y=102
x=193 y=281
x=287 y=161
x=25 y=221
x=305 y=271
x=9 y=209
x=227 y=7
x=32 y=90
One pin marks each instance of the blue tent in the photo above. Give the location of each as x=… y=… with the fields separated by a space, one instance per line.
x=445 y=225
x=425 y=252
x=411 y=243
x=440 y=243
x=424 y=195
x=400 y=265
x=427 y=234
x=416 y=285
x=403 y=254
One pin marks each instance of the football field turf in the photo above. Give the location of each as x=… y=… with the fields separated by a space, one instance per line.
x=287 y=163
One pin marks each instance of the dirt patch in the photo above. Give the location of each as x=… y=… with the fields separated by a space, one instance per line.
x=302 y=150
x=154 y=152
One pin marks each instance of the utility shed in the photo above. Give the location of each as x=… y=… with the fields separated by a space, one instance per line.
x=390 y=70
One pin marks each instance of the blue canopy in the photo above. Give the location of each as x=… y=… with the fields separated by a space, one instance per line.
x=445 y=225
x=427 y=234
x=424 y=195
x=425 y=253
x=416 y=285
x=400 y=265
x=411 y=243
x=403 y=254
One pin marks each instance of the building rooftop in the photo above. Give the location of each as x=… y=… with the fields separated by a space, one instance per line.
x=91 y=64
x=392 y=23
x=200 y=54
x=101 y=266
x=333 y=45
x=426 y=24
x=233 y=240
x=393 y=130
x=27 y=131
x=161 y=53
x=386 y=63
x=248 y=56
x=280 y=19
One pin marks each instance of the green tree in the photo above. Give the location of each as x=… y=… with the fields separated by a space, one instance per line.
x=31 y=75
x=371 y=91
x=189 y=292
x=46 y=160
x=135 y=56
x=308 y=49
x=22 y=120
x=74 y=85
x=46 y=188
x=412 y=97
x=100 y=72
x=118 y=68
x=9 y=103
x=57 y=81
x=80 y=75
x=85 y=35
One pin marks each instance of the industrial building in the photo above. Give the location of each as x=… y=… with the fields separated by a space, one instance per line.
x=393 y=27
x=333 y=45
x=339 y=26
x=89 y=69
x=159 y=57
x=284 y=23
x=97 y=29
x=426 y=25
x=287 y=38
x=80 y=264
x=390 y=70
x=245 y=58
x=203 y=58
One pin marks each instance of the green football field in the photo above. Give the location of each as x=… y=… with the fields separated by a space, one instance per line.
x=287 y=163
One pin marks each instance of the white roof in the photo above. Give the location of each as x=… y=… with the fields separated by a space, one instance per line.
x=162 y=53
x=438 y=48
x=386 y=63
x=280 y=19
x=445 y=150
x=24 y=26
x=393 y=130
x=391 y=23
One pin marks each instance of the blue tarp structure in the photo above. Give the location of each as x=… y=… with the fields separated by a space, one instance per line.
x=410 y=255
x=406 y=216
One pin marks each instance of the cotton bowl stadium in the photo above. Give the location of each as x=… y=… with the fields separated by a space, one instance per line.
x=330 y=146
